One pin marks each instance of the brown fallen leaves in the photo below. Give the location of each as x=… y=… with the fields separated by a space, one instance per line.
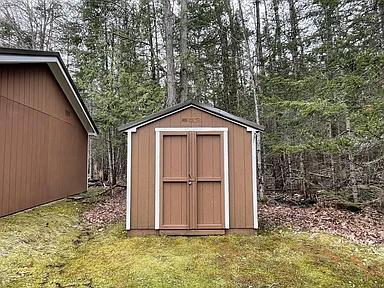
x=110 y=210
x=364 y=227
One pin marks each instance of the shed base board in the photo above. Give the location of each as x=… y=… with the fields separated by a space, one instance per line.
x=182 y=232
x=243 y=231
x=140 y=232
x=192 y=232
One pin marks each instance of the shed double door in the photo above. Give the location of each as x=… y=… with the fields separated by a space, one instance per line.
x=191 y=180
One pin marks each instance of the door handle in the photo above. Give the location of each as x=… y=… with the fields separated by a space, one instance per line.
x=190 y=179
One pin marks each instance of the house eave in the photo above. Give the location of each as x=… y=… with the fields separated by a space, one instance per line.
x=61 y=74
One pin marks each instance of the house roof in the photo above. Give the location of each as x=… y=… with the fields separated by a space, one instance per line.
x=60 y=72
x=191 y=103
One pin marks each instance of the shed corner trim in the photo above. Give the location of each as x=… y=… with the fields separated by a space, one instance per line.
x=255 y=139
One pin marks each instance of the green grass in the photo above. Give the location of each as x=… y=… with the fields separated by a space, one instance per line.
x=50 y=247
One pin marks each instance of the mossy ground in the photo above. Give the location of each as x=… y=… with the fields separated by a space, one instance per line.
x=50 y=246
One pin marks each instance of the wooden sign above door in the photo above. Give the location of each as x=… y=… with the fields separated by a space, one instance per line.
x=191 y=120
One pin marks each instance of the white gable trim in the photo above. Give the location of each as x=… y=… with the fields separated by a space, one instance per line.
x=61 y=77
x=183 y=108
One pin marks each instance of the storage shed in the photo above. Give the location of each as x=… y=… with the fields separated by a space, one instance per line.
x=191 y=170
x=44 y=131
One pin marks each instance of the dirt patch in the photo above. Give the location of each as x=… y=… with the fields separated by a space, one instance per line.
x=364 y=227
x=110 y=210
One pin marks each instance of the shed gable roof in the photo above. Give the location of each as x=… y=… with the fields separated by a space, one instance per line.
x=61 y=74
x=190 y=103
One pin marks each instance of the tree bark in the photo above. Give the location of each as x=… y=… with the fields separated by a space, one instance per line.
x=278 y=47
x=233 y=67
x=289 y=180
x=111 y=164
x=332 y=160
x=168 y=19
x=183 y=50
x=225 y=67
x=150 y=39
x=154 y=15
x=294 y=35
x=256 y=103
x=351 y=160
x=259 y=46
x=302 y=175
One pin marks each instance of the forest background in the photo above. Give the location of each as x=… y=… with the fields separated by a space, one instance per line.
x=310 y=71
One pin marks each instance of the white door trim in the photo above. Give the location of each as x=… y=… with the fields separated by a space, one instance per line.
x=192 y=129
x=226 y=169
x=157 y=181
x=254 y=177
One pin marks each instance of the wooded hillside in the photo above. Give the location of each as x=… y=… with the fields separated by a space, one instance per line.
x=310 y=71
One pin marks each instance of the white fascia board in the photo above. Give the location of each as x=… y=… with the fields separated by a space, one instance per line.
x=192 y=129
x=72 y=97
x=13 y=59
x=61 y=77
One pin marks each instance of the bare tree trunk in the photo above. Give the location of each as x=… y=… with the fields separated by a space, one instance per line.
x=170 y=59
x=183 y=50
x=234 y=49
x=351 y=160
x=332 y=161
x=156 y=39
x=251 y=66
x=225 y=67
x=294 y=34
x=302 y=175
x=110 y=166
x=278 y=47
x=289 y=180
x=259 y=47
x=255 y=99
x=150 y=39
x=111 y=159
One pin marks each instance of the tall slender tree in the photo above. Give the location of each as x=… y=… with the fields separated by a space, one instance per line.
x=168 y=19
x=183 y=51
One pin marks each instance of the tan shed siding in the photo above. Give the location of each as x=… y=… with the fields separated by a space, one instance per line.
x=143 y=168
x=43 y=152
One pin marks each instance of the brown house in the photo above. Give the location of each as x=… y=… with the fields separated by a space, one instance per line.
x=191 y=170
x=44 y=131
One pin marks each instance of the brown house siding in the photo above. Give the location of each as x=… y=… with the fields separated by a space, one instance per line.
x=43 y=145
x=143 y=168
